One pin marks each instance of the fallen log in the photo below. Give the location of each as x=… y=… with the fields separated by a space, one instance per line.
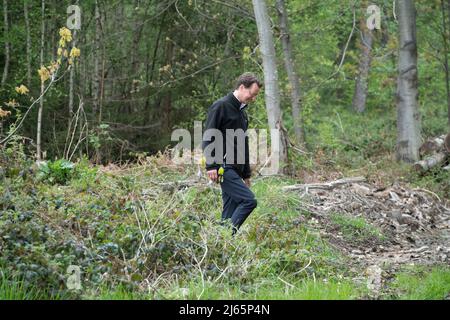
x=432 y=146
x=447 y=143
x=326 y=185
x=430 y=162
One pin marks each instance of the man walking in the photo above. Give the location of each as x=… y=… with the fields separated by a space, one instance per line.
x=226 y=149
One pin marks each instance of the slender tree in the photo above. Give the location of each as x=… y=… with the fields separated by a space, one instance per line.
x=361 y=83
x=28 y=31
x=294 y=82
x=271 y=91
x=96 y=78
x=7 y=43
x=41 y=102
x=408 y=117
x=445 y=34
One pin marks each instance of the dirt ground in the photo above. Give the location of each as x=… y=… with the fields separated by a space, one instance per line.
x=414 y=225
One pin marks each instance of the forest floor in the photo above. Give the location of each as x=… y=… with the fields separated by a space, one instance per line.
x=381 y=227
x=150 y=231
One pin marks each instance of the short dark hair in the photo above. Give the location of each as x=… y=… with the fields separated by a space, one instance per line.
x=247 y=79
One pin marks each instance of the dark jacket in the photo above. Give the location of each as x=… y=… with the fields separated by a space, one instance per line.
x=227 y=113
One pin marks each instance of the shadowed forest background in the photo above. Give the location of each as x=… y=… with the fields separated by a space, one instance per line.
x=105 y=195
x=149 y=67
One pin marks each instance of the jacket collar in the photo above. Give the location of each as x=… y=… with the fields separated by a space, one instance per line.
x=235 y=102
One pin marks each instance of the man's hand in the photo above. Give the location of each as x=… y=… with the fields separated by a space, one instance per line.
x=212 y=174
x=247 y=182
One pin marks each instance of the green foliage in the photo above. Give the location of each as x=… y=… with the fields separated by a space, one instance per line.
x=14 y=288
x=436 y=180
x=59 y=171
x=356 y=230
x=268 y=289
x=45 y=227
x=62 y=172
x=423 y=284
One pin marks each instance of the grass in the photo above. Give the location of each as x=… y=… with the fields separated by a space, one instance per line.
x=268 y=289
x=423 y=284
x=119 y=292
x=14 y=288
x=356 y=229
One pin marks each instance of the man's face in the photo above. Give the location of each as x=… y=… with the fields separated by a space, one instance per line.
x=249 y=94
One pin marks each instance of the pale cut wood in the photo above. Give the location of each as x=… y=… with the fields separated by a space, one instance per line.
x=430 y=162
x=327 y=185
x=432 y=146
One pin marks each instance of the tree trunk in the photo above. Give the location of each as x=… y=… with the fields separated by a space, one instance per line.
x=271 y=92
x=7 y=43
x=445 y=32
x=96 y=53
x=292 y=75
x=408 y=117
x=41 y=102
x=28 y=31
x=53 y=30
x=150 y=70
x=98 y=75
x=166 y=99
x=361 y=83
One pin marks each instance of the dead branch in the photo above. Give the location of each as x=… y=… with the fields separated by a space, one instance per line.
x=326 y=185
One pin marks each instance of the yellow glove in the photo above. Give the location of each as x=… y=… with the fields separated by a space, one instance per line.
x=220 y=172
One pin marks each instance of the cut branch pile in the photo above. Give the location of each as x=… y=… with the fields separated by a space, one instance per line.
x=410 y=219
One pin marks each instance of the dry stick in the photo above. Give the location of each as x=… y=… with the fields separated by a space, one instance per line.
x=285 y=282
x=304 y=268
x=79 y=141
x=74 y=130
x=142 y=234
x=155 y=284
x=428 y=191
x=199 y=266
x=182 y=17
x=223 y=272
x=162 y=213
x=327 y=185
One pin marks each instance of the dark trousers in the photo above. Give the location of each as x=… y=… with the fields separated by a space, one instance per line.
x=238 y=200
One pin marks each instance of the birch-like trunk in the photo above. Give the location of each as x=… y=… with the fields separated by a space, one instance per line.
x=445 y=32
x=271 y=89
x=408 y=117
x=7 y=43
x=96 y=78
x=41 y=102
x=294 y=82
x=361 y=83
x=28 y=31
